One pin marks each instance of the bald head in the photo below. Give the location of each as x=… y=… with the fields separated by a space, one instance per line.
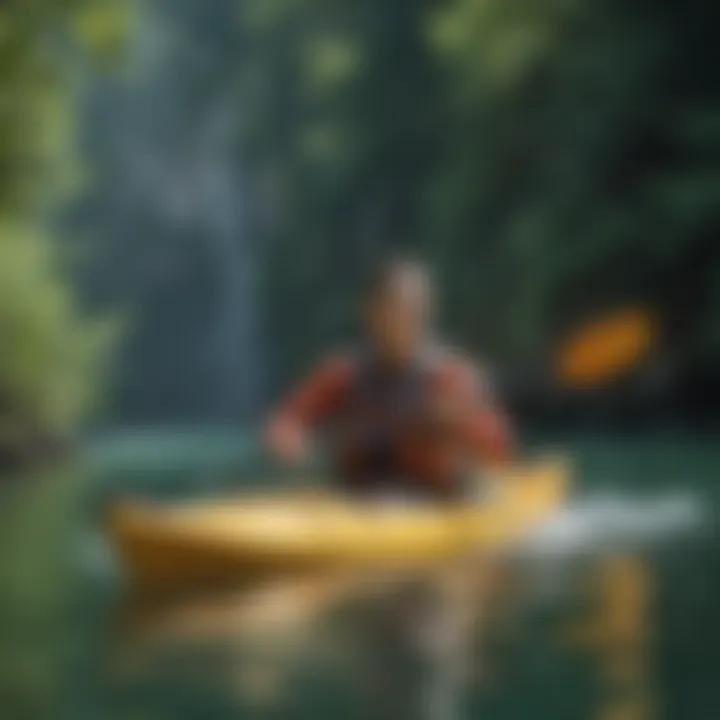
x=398 y=308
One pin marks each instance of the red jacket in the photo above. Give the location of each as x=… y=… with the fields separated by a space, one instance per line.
x=424 y=426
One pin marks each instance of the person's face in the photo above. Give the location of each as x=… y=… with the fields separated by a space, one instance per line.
x=397 y=316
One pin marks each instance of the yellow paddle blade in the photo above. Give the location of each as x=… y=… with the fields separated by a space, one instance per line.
x=606 y=348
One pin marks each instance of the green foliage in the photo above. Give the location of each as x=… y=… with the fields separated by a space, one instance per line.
x=551 y=158
x=570 y=166
x=48 y=367
x=49 y=358
x=339 y=98
x=103 y=26
x=41 y=524
x=50 y=354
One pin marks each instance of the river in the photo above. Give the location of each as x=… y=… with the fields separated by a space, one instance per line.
x=630 y=632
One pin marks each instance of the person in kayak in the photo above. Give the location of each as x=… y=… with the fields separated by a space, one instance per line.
x=403 y=412
x=404 y=416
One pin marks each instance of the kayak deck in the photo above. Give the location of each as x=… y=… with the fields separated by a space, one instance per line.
x=237 y=538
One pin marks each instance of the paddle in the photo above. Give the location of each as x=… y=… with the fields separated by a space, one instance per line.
x=605 y=348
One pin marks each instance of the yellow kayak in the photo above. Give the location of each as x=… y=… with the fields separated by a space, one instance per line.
x=236 y=538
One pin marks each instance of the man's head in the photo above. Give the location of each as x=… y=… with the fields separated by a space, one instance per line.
x=398 y=308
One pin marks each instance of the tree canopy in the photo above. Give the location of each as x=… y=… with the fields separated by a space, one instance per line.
x=551 y=158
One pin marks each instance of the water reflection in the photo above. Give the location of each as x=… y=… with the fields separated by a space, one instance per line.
x=262 y=647
x=596 y=648
x=251 y=640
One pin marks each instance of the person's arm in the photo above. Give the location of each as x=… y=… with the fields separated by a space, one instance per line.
x=479 y=422
x=489 y=435
x=316 y=397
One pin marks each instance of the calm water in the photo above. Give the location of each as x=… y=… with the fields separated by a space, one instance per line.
x=629 y=632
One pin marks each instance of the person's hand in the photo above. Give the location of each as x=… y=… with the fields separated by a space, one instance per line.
x=286 y=441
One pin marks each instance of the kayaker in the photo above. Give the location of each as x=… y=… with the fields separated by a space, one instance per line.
x=403 y=415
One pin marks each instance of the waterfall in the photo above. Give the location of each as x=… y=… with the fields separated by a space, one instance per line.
x=172 y=218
